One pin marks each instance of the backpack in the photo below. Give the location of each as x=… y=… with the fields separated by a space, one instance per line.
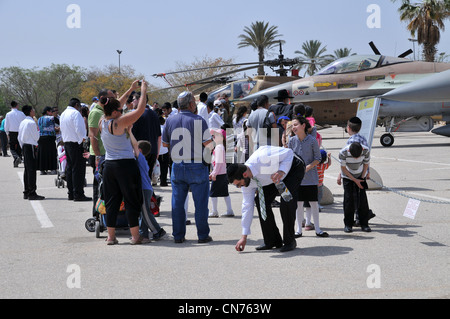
x=267 y=125
x=281 y=110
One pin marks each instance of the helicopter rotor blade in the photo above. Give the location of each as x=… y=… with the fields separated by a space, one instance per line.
x=157 y=75
x=205 y=80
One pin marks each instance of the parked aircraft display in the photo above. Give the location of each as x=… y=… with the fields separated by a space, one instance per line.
x=333 y=91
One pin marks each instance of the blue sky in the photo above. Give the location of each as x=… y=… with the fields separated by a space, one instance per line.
x=153 y=35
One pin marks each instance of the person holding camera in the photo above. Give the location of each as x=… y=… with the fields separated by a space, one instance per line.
x=121 y=175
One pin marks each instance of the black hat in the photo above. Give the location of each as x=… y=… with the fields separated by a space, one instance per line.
x=283 y=94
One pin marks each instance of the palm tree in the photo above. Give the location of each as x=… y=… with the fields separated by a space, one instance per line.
x=314 y=53
x=342 y=53
x=427 y=20
x=261 y=37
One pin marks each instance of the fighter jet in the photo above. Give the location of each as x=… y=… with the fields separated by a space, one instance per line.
x=430 y=94
x=333 y=91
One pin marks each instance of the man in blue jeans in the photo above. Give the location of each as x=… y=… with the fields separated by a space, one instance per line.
x=186 y=135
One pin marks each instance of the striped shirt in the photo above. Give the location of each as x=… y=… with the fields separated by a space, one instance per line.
x=357 y=138
x=355 y=166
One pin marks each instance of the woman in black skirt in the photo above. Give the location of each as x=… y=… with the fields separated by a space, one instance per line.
x=47 y=153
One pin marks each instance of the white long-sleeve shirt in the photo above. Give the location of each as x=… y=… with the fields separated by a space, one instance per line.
x=265 y=162
x=73 y=128
x=28 y=132
x=13 y=120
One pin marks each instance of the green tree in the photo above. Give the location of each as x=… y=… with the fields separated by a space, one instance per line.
x=59 y=83
x=314 y=56
x=262 y=38
x=50 y=86
x=426 y=20
x=342 y=53
x=20 y=85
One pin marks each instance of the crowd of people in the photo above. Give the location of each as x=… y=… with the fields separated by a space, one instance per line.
x=200 y=148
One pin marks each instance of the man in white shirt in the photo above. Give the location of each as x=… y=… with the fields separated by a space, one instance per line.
x=269 y=165
x=73 y=132
x=28 y=139
x=12 y=123
x=202 y=109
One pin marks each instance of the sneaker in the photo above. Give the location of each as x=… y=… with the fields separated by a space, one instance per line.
x=213 y=214
x=159 y=235
x=309 y=227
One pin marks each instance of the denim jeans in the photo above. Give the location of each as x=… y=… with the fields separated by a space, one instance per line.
x=193 y=176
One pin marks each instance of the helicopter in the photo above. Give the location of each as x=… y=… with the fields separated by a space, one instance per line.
x=334 y=90
x=239 y=88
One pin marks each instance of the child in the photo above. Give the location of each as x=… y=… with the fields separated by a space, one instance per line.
x=353 y=127
x=62 y=159
x=306 y=146
x=219 y=185
x=321 y=167
x=355 y=159
x=312 y=122
x=147 y=219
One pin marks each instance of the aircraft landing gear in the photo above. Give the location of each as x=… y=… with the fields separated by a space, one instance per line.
x=387 y=140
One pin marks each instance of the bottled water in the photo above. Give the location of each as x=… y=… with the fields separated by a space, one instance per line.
x=284 y=192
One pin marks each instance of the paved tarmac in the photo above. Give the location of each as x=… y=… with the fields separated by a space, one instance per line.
x=46 y=252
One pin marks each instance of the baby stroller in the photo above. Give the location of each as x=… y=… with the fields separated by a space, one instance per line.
x=97 y=224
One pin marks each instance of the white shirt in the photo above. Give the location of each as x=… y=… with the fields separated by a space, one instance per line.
x=202 y=110
x=163 y=150
x=214 y=120
x=264 y=162
x=28 y=132
x=13 y=120
x=73 y=128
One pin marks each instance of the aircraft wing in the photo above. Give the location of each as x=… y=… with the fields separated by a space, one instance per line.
x=433 y=88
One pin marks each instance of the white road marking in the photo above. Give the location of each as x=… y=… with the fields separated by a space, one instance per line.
x=41 y=215
x=410 y=161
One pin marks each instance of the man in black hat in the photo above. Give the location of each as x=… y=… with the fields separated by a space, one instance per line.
x=282 y=108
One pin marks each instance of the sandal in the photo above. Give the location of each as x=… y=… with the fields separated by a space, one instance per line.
x=112 y=242
x=137 y=241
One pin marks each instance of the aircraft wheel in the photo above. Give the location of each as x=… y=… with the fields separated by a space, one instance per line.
x=387 y=140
